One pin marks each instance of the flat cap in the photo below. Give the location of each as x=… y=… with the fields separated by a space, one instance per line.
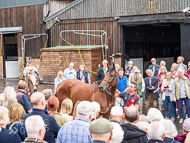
x=137 y=71
x=101 y=126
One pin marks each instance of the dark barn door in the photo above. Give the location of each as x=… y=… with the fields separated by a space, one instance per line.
x=185 y=42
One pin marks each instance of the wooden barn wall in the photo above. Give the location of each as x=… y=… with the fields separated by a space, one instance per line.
x=111 y=8
x=29 y=18
x=106 y=24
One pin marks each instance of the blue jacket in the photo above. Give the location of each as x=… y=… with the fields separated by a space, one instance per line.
x=52 y=126
x=154 y=83
x=85 y=73
x=157 y=67
x=9 y=136
x=19 y=129
x=122 y=83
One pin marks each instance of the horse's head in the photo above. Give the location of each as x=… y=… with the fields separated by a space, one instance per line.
x=110 y=79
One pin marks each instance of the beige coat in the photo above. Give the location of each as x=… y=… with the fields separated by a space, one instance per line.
x=31 y=86
x=164 y=84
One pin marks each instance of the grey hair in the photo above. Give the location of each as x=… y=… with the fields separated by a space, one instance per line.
x=116 y=111
x=104 y=60
x=148 y=70
x=163 y=62
x=9 y=96
x=156 y=130
x=155 y=115
x=84 y=108
x=47 y=93
x=36 y=98
x=142 y=125
x=163 y=67
x=130 y=62
x=170 y=128
x=118 y=133
x=131 y=114
x=180 y=69
x=105 y=136
x=96 y=107
x=33 y=125
x=71 y=64
x=188 y=63
x=181 y=57
x=4 y=118
x=143 y=118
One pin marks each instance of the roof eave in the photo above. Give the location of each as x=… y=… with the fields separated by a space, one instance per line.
x=69 y=6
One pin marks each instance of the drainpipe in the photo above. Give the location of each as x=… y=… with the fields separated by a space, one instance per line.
x=49 y=5
x=48 y=31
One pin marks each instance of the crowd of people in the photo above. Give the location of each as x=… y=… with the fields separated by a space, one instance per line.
x=28 y=115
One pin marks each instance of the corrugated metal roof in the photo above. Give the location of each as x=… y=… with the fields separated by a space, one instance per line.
x=17 y=3
x=81 y=9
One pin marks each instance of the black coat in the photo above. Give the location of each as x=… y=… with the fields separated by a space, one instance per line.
x=132 y=134
x=52 y=126
x=155 y=141
x=100 y=75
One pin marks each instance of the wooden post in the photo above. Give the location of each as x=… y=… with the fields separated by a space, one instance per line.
x=108 y=50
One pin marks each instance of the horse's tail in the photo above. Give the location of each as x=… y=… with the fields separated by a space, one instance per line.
x=75 y=110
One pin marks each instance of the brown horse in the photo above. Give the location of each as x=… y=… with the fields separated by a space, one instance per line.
x=79 y=91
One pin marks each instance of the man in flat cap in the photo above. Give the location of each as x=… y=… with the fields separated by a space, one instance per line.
x=137 y=77
x=101 y=130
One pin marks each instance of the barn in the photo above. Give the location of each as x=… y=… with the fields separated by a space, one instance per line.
x=136 y=29
x=20 y=18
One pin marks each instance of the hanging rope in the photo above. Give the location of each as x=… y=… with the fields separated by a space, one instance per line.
x=41 y=54
x=79 y=54
x=1 y=44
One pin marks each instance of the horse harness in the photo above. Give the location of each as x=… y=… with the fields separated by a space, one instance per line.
x=108 y=92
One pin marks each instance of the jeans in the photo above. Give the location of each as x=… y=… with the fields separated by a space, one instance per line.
x=180 y=107
x=163 y=105
x=172 y=106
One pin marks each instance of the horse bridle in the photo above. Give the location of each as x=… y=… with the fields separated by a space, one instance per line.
x=109 y=87
x=110 y=92
x=110 y=83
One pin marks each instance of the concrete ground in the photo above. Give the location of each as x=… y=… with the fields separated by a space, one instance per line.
x=14 y=82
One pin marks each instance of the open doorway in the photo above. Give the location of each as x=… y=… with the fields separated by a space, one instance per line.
x=161 y=41
x=10 y=56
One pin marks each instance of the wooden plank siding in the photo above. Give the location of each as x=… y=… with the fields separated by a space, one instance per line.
x=111 y=8
x=29 y=18
x=106 y=24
